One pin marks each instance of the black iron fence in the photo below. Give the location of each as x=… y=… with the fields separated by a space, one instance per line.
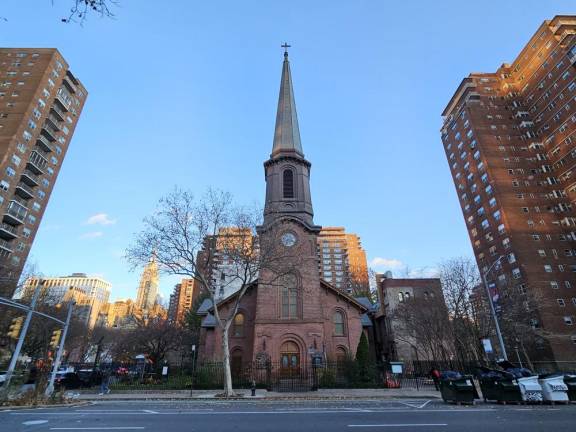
x=272 y=376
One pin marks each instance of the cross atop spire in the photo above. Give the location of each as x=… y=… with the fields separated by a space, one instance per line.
x=287 y=133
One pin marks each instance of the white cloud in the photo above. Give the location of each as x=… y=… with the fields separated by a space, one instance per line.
x=389 y=263
x=100 y=219
x=91 y=235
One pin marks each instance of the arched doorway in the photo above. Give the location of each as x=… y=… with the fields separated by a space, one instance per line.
x=236 y=363
x=289 y=358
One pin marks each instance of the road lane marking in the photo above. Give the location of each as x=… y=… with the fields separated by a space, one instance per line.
x=34 y=422
x=416 y=404
x=400 y=425
x=150 y=411
x=100 y=428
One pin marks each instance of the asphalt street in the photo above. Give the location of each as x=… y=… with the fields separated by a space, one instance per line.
x=302 y=415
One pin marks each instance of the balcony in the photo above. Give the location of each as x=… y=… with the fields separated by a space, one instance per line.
x=24 y=191
x=44 y=144
x=4 y=245
x=30 y=178
x=56 y=112
x=63 y=99
x=15 y=213
x=53 y=122
x=37 y=163
x=7 y=231
x=69 y=84
x=46 y=132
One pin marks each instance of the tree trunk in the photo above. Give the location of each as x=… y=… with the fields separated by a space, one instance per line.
x=228 y=390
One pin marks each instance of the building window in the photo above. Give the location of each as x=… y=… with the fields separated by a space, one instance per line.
x=238 y=329
x=288 y=183
x=339 y=323
x=289 y=306
x=554 y=284
x=548 y=268
x=568 y=320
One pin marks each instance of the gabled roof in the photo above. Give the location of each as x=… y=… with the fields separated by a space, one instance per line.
x=345 y=296
x=204 y=307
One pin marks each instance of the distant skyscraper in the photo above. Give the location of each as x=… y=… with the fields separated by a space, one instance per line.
x=148 y=289
x=181 y=300
x=510 y=140
x=343 y=261
x=40 y=103
x=90 y=292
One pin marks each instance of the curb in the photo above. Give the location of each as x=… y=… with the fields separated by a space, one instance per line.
x=23 y=407
x=268 y=398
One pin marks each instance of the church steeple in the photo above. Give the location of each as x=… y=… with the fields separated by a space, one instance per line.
x=286 y=133
x=287 y=172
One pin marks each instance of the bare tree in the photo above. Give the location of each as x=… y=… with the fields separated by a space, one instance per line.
x=423 y=324
x=462 y=287
x=80 y=10
x=180 y=230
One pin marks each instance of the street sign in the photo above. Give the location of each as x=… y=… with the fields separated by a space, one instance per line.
x=487 y=346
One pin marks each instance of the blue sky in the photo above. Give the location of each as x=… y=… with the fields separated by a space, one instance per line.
x=184 y=93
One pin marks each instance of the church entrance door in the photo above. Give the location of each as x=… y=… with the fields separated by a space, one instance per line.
x=289 y=360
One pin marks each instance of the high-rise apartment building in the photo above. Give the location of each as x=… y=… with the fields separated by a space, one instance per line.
x=181 y=300
x=40 y=103
x=510 y=140
x=90 y=292
x=148 y=289
x=342 y=260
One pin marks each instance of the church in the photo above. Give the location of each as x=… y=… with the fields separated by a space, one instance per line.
x=304 y=318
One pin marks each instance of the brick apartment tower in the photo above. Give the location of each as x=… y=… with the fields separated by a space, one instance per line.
x=40 y=103
x=510 y=140
x=343 y=262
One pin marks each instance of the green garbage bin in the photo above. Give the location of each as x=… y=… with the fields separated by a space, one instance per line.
x=489 y=387
x=508 y=390
x=458 y=389
x=570 y=381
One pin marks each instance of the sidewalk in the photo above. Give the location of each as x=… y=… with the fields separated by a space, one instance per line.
x=326 y=394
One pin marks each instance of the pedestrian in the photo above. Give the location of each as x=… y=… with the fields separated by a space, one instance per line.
x=435 y=373
x=104 y=389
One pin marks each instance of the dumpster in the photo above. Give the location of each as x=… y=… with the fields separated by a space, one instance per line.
x=530 y=388
x=457 y=388
x=553 y=387
x=498 y=385
x=570 y=381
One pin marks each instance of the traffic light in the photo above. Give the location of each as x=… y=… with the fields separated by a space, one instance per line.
x=15 y=327
x=55 y=338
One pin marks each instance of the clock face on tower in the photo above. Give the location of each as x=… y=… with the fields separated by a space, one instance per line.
x=288 y=239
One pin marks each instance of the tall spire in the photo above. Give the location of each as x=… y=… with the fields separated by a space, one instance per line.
x=286 y=134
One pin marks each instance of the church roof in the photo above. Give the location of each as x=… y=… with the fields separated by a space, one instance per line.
x=366 y=302
x=204 y=307
x=286 y=133
x=209 y=321
x=366 y=321
x=344 y=295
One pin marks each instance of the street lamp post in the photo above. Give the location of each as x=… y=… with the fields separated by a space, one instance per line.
x=492 y=310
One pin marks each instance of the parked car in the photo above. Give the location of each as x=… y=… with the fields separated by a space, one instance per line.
x=2 y=378
x=68 y=380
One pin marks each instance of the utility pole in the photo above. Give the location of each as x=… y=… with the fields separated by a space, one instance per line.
x=56 y=364
x=492 y=310
x=18 y=348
